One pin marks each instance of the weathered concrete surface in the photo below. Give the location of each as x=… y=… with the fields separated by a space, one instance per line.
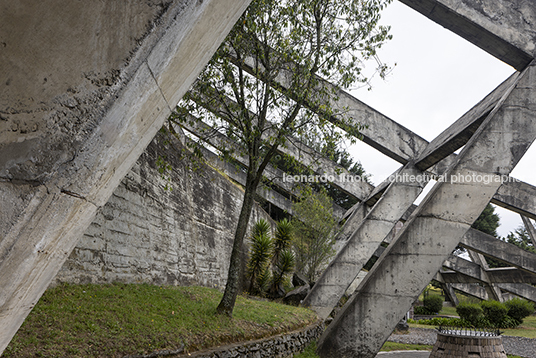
x=85 y=86
x=147 y=233
x=475 y=273
x=456 y=135
x=472 y=289
x=504 y=28
x=490 y=246
x=368 y=236
x=530 y=229
x=517 y=196
x=491 y=288
x=435 y=228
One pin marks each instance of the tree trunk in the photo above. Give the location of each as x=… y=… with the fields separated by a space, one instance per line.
x=227 y=303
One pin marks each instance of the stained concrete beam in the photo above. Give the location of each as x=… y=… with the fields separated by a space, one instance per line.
x=274 y=175
x=490 y=246
x=477 y=274
x=434 y=229
x=85 y=87
x=456 y=135
x=471 y=289
x=520 y=289
x=530 y=229
x=270 y=195
x=517 y=196
x=365 y=240
x=383 y=134
x=503 y=28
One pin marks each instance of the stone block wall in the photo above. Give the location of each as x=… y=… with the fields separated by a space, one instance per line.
x=147 y=233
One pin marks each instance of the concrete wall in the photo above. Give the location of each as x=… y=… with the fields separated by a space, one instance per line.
x=146 y=233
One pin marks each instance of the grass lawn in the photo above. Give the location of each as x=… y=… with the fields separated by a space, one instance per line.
x=116 y=320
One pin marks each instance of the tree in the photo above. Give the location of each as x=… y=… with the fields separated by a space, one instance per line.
x=488 y=221
x=315 y=231
x=325 y=38
x=520 y=237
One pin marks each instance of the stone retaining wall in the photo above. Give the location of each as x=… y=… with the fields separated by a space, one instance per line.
x=147 y=233
x=283 y=345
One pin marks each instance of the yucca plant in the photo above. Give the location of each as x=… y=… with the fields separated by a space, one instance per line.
x=282 y=259
x=283 y=239
x=261 y=252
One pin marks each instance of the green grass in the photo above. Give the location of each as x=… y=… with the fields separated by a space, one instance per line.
x=116 y=320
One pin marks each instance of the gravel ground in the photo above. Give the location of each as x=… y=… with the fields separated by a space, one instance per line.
x=519 y=346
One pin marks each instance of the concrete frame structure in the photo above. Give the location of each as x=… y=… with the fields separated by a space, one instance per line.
x=53 y=190
x=465 y=20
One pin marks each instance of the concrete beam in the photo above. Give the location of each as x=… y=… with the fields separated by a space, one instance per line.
x=490 y=246
x=503 y=28
x=491 y=288
x=365 y=240
x=402 y=145
x=85 y=87
x=530 y=229
x=471 y=289
x=434 y=229
x=477 y=274
x=520 y=289
x=456 y=135
x=517 y=196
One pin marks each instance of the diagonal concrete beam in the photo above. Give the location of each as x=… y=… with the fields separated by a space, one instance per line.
x=477 y=274
x=435 y=228
x=471 y=289
x=517 y=196
x=402 y=145
x=455 y=136
x=520 y=289
x=365 y=240
x=491 y=288
x=511 y=37
x=530 y=229
x=51 y=207
x=490 y=246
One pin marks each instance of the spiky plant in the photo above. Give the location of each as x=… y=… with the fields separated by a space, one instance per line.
x=260 y=254
x=283 y=239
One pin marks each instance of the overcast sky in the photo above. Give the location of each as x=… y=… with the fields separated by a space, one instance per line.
x=437 y=78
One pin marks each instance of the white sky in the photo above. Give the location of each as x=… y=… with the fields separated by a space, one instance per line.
x=437 y=78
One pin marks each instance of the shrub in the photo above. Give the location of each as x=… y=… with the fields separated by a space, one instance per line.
x=519 y=309
x=470 y=312
x=494 y=311
x=421 y=310
x=433 y=303
x=261 y=252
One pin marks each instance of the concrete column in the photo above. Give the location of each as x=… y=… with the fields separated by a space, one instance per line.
x=435 y=228
x=85 y=87
x=493 y=291
x=371 y=232
x=530 y=229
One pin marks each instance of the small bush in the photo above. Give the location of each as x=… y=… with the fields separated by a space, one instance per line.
x=433 y=303
x=518 y=309
x=494 y=311
x=470 y=312
x=421 y=310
